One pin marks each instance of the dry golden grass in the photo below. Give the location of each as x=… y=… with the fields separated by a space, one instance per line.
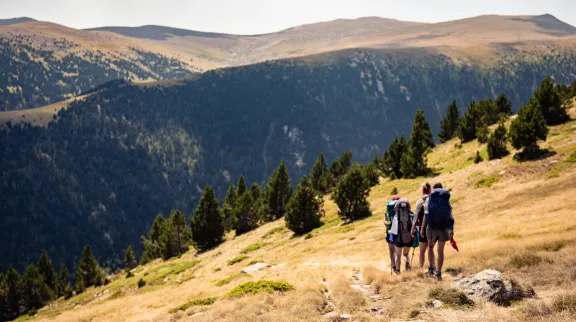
x=525 y=212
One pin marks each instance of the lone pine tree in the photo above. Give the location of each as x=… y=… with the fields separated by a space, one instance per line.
x=548 y=101
x=497 y=143
x=88 y=272
x=129 y=258
x=279 y=192
x=318 y=174
x=449 y=123
x=207 y=223
x=413 y=162
x=351 y=195
x=304 y=209
x=526 y=130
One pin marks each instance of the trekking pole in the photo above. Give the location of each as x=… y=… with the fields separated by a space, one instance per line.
x=412 y=260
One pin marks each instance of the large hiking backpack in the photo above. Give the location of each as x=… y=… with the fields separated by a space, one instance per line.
x=439 y=209
x=420 y=210
x=404 y=217
x=390 y=212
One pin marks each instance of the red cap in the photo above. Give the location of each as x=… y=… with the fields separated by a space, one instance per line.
x=395 y=197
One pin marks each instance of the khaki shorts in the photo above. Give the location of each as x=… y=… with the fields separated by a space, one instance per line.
x=434 y=235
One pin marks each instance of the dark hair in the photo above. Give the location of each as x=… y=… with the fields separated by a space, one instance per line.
x=426 y=188
x=438 y=185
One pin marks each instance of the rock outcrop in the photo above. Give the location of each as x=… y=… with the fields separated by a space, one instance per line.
x=491 y=285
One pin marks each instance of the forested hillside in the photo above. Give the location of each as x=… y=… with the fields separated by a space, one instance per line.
x=33 y=76
x=101 y=172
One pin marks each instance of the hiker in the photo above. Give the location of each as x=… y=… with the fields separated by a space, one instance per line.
x=401 y=228
x=418 y=229
x=439 y=224
x=388 y=217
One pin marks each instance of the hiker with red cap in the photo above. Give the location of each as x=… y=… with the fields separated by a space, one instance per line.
x=439 y=223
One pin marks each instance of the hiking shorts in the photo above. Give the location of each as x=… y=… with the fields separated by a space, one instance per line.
x=436 y=235
x=421 y=238
x=398 y=242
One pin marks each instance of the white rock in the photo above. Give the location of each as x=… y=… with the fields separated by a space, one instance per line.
x=437 y=303
x=345 y=316
x=254 y=268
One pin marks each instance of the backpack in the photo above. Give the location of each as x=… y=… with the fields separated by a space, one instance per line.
x=420 y=212
x=439 y=209
x=389 y=215
x=404 y=217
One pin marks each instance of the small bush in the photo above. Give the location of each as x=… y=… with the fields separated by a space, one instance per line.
x=565 y=303
x=486 y=182
x=414 y=313
x=273 y=231
x=572 y=157
x=308 y=236
x=237 y=259
x=478 y=158
x=552 y=246
x=260 y=286
x=227 y=280
x=394 y=191
x=199 y=302
x=525 y=260
x=141 y=283
x=253 y=247
x=130 y=274
x=32 y=312
x=450 y=297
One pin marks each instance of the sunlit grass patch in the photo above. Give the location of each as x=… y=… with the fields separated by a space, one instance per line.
x=237 y=259
x=198 y=302
x=250 y=288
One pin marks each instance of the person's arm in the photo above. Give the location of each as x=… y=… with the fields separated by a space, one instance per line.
x=423 y=227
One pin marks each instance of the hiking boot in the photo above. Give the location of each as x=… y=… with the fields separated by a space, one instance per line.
x=438 y=275
x=396 y=271
x=430 y=271
x=408 y=267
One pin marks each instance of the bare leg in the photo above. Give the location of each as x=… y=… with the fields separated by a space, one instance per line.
x=407 y=255
x=441 y=245
x=423 y=247
x=431 y=256
x=398 y=257
x=392 y=257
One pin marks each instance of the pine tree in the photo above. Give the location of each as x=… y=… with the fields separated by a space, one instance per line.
x=129 y=258
x=207 y=223
x=245 y=214
x=152 y=247
x=181 y=230
x=482 y=134
x=318 y=174
x=413 y=162
x=46 y=269
x=13 y=293
x=259 y=204
x=88 y=270
x=351 y=195
x=392 y=160
x=449 y=123
x=241 y=186
x=497 y=143
x=304 y=210
x=526 y=130
x=547 y=100
x=3 y=299
x=467 y=126
x=340 y=166
x=64 y=288
x=34 y=291
x=279 y=194
x=228 y=208
x=371 y=174
x=504 y=105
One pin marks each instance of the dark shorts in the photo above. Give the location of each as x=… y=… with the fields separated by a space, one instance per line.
x=398 y=243
x=388 y=238
x=421 y=238
x=436 y=235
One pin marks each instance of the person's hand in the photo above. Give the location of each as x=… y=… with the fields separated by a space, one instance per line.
x=413 y=234
x=451 y=233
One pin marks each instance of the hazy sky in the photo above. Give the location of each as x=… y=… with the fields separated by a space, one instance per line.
x=260 y=16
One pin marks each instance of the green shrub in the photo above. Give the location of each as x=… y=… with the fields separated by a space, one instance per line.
x=253 y=247
x=572 y=157
x=565 y=303
x=478 y=158
x=308 y=236
x=486 y=182
x=450 y=297
x=141 y=283
x=273 y=231
x=552 y=246
x=394 y=191
x=198 y=302
x=525 y=260
x=237 y=259
x=414 y=313
x=227 y=280
x=260 y=286
x=130 y=274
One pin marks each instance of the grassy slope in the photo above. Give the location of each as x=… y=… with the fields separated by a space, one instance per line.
x=531 y=204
